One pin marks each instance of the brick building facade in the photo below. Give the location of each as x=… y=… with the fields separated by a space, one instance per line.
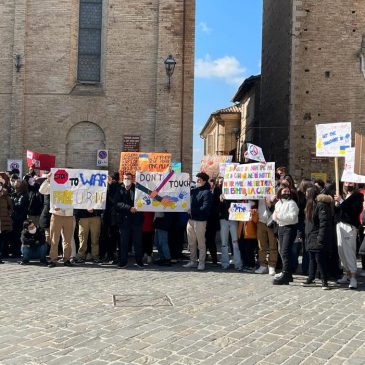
x=313 y=72
x=92 y=71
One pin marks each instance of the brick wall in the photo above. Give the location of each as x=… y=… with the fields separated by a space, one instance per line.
x=41 y=103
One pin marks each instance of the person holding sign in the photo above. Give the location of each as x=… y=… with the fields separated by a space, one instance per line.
x=348 y=209
x=228 y=227
x=61 y=219
x=130 y=223
x=201 y=200
x=286 y=215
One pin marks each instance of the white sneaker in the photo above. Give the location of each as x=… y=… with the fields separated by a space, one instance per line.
x=344 y=280
x=362 y=273
x=190 y=264
x=278 y=275
x=201 y=266
x=262 y=270
x=353 y=283
x=272 y=271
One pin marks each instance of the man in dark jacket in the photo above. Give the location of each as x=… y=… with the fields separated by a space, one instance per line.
x=110 y=232
x=348 y=210
x=130 y=223
x=201 y=201
x=33 y=243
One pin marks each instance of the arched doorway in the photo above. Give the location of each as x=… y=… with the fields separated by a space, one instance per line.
x=83 y=140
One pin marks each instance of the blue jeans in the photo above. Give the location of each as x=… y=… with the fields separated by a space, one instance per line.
x=34 y=253
x=230 y=227
x=128 y=232
x=162 y=244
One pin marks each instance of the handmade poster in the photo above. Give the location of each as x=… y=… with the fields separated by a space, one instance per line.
x=154 y=162
x=78 y=189
x=162 y=192
x=348 y=172
x=40 y=161
x=240 y=212
x=254 y=153
x=138 y=161
x=210 y=164
x=224 y=165
x=176 y=166
x=249 y=181
x=333 y=139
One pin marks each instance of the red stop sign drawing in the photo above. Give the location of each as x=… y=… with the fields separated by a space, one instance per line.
x=61 y=176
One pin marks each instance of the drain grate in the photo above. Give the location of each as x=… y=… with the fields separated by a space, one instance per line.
x=142 y=300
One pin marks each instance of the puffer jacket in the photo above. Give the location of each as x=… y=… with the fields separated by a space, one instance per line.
x=318 y=230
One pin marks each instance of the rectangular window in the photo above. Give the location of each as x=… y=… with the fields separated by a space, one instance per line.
x=89 y=54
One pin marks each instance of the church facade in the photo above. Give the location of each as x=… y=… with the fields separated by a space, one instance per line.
x=77 y=76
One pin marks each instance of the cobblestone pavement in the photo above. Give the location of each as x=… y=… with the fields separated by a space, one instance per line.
x=66 y=316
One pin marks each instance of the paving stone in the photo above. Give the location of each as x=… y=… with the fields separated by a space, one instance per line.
x=253 y=323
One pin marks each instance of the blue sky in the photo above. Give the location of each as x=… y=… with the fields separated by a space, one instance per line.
x=227 y=50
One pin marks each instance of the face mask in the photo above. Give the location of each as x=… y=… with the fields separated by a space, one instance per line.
x=127 y=183
x=285 y=196
x=32 y=231
x=350 y=189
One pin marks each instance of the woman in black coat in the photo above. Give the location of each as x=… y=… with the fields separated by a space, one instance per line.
x=318 y=228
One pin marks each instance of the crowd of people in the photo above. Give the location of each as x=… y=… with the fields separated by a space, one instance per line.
x=308 y=220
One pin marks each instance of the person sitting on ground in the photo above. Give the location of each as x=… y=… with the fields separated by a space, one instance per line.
x=34 y=245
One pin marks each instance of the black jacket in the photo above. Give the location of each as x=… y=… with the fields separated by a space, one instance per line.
x=33 y=240
x=165 y=222
x=35 y=201
x=318 y=230
x=123 y=202
x=201 y=201
x=20 y=208
x=83 y=213
x=45 y=218
x=110 y=216
x=350 y=209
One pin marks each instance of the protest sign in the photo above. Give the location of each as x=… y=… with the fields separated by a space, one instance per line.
x=224 y=165
x=102 y=157
x=348 y=172
x=240 y=212
x=332 y=139
x=15 y=164
x=249 y=181
x=162 y=192
x=40 y=161
x=78 y=189
x=254 y=153
x=154 y=162
x=210 y=164
x=138 y=161
x=176 y=166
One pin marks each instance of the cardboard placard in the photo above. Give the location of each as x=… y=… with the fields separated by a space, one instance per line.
x=162 y=192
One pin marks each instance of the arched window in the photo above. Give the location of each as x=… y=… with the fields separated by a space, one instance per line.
x=83 y=141
x=89 y=53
